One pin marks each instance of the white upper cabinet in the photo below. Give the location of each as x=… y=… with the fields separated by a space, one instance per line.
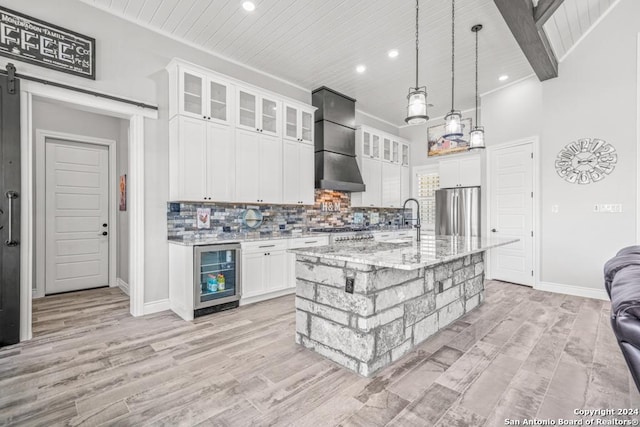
x=384 y=161
x=203 y=97
x=257 y=112
x=298 y=124
x=226 y=140
x=192 y=94
x=405 y=154
x=463 y=172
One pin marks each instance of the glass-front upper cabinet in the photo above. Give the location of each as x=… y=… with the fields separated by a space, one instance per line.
x=219 y=101
x=375 y=146
x=258 y=113
x=269 y=113
x=395 y=152
x=366 y=144
x=291 y=130
x=306 y=126
x=386 y=149
x=247 y=110
x=405 y=154
x=298 y=124
x=192 y=94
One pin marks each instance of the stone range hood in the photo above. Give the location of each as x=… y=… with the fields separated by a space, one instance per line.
x=335 y=137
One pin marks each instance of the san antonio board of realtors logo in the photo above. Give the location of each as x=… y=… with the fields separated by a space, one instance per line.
x=47 y=45
x=586 y=160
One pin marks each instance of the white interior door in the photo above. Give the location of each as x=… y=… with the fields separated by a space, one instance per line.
x=511 y=206
x=76 y=216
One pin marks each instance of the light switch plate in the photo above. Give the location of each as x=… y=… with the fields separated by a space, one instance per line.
x=555 y=209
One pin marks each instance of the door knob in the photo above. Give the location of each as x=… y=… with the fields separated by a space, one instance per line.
x=493 y=230
x=104 y=233
x=104 y=225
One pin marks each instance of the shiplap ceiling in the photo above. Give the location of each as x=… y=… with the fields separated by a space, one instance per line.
x=572 y=20
x=319 y=42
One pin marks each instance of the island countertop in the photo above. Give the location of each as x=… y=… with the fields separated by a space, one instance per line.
x=403 y=255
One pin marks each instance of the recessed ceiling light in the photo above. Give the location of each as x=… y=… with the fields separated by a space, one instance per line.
x=249 y=6
x=361 y=68
x=503 y=78
x=393 y=53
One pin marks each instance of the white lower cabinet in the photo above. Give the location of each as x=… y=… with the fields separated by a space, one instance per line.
x=258 y=168
x=299 y=170
x=263 y=269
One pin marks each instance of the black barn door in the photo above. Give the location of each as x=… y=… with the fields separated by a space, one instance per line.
x=9 y=210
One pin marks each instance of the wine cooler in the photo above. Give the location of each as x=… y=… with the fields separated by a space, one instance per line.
x=217 y=278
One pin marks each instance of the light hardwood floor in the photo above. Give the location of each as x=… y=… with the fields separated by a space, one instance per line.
x=522 y=354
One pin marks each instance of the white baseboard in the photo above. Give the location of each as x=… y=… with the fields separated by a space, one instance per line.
x=122 y=285
x=579 y=291
x=156 y=306
x=263 y=297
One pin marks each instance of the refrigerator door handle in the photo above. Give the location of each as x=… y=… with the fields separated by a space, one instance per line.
x=456 y=200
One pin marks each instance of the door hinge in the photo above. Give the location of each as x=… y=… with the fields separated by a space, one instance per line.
x=531 y=272
x=532 y=194
x=11 y=78
x=532 y=155
x=532 y=233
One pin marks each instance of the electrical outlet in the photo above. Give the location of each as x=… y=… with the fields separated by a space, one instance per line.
x=349 y=285
x=608 y=208
x=555 y=209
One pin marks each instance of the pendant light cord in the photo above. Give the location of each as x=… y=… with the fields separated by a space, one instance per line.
x=453 y=51
x=477 y=77
x=417 y=45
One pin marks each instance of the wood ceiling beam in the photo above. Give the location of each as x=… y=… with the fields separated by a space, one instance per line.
x=519 y=16
x=543 y=11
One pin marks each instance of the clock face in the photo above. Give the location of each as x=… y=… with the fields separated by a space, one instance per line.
x=586 y=160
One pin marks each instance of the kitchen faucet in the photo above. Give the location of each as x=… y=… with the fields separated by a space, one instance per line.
x=417 y=218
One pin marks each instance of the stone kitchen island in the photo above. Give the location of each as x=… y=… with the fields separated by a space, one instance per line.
x=366 y=304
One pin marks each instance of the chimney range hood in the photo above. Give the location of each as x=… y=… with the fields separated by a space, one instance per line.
x=335 y=141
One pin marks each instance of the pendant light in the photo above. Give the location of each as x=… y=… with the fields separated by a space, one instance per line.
x=453 y=120
x=476 y=137
x=417 y=106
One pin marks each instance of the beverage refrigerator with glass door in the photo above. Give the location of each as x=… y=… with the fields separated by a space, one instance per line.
x=217 y=278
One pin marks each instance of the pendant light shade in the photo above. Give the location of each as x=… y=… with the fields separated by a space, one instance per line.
x=476 y=140
x=417 y=98
x=453 y=120
x=417 y=106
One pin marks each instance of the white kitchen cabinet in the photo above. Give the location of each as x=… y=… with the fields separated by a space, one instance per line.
x=405 y=154
x=391 y=185
x=298 y=124
x=201 y=96
x=386 y=149
x=258 y=168
x=371 y=171
x=463 y=172
x=264 y=268
x=299 y=170
x=405 y=183
x=258 y=112
x=201 y=160
x=395 y=152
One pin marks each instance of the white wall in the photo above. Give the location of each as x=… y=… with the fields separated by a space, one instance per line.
x=59 y=118
x=595 y=96
x=367 y=120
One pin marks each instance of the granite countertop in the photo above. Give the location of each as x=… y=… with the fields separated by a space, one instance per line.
x=223 y=238
x=403 y=255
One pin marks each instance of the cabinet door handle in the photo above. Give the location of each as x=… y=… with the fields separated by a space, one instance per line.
x=266 y=246
x=311 y=241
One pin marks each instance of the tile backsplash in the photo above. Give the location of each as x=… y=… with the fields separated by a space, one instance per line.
x=331 y=209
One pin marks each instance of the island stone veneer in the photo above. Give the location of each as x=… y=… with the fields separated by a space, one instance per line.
x=390 y=311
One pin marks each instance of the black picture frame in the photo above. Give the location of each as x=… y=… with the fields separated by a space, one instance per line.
x=45 y=30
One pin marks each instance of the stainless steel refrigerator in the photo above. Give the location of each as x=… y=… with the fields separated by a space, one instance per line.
x=458 y=211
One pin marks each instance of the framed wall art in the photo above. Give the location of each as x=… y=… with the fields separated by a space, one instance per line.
x=438 y=145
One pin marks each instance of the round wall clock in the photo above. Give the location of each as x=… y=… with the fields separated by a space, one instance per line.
x=586 y=160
